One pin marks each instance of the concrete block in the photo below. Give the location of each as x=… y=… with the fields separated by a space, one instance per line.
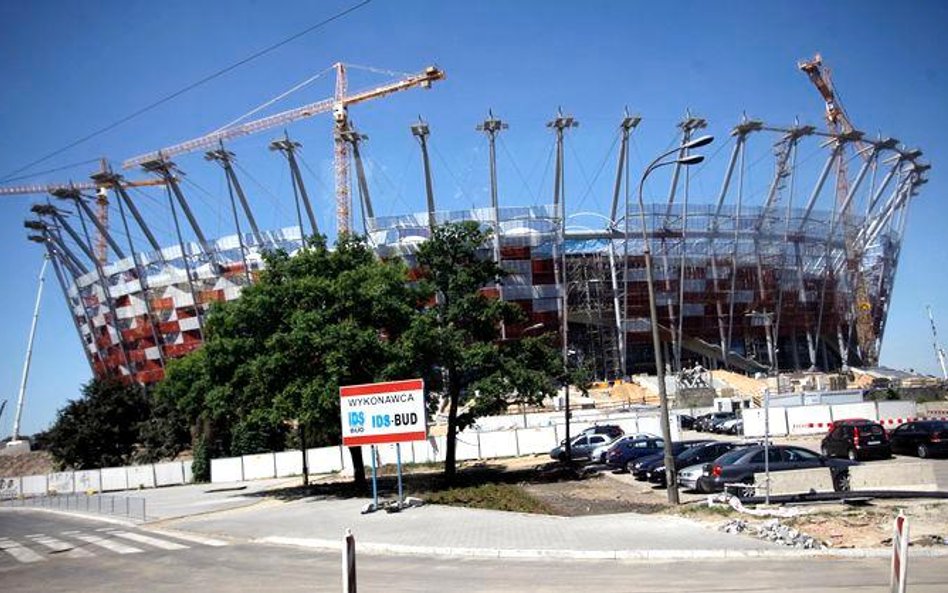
x=288 y=463
x=140 y=476
x=188 y=472
x=809 y=419
x=536 y=440
x=113 y=478
x=891 y=414
x=259 y=466
x=630 y=424
x=169 y=474
x=798 y=481
x=61 y=482
x=754 y=425
x=498 y=444
x=34 y=484
x=326 y=460
x=860 y=410
x=467 y=446
x=915 y=475
x=86 y=480
x=227 y=469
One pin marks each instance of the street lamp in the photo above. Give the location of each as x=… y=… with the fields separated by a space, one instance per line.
x=671 y=477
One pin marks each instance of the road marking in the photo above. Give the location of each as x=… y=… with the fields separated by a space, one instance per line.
x=152 y=541
x=19 y=552
x=58 y=546
x=108 y=544
x=190 y=537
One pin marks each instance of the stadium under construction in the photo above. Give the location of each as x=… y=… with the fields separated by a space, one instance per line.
x=798 y=276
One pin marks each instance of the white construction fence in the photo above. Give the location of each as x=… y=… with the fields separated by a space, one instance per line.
x=802 y=420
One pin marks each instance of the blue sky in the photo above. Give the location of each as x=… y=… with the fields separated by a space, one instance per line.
x=70 y=68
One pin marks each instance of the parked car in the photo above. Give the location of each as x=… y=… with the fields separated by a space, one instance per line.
x=624 y=454
x=643 y=465
x=716 y=424
x=688 y=477
x=925 y=438
x=686 y=422
x=856 y=439
x=727 y=427
x=698 y=455
x=600 y=453
x=581 y=447
x=704 y=423
x=740 y=465
x=611 y=430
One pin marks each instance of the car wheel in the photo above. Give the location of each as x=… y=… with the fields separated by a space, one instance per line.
x=841 y=482
x=923 y=450
x=629 y=466
x=852 y=455
x=746 y=491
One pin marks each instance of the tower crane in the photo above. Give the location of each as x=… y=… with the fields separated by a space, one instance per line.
x=338 y=105
x=102 y=200
x=839 y=124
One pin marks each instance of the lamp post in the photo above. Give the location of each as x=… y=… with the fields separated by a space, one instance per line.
x=671 y=477
x=768 y=316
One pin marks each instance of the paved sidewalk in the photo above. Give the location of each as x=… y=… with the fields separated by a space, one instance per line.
x=459 y=531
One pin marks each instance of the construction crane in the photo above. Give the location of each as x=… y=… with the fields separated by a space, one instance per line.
x=102 y=200
x=338 y=105
x=939 y=351
x=839 y=124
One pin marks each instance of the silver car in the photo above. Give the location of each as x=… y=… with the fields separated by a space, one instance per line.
x=689 y=476
x=599 y=453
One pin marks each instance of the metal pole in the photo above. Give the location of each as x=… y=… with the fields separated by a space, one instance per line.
x=398 y=459
x=29 y=352
x=375 y=485
x=767 y=441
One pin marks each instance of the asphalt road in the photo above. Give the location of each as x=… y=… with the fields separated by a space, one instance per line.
x=236 y=566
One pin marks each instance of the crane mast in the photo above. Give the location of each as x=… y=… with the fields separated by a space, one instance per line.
x=839 y=124
x=939 y=351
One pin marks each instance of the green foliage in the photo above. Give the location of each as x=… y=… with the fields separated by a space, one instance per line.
x=101 y=428
x=201 y=462
x=457 y=342
x=499 y=497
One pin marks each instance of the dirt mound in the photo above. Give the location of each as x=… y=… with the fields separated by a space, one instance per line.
x=26 y=464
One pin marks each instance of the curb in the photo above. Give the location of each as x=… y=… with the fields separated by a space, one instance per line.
x=625 y=555
x=90 y=517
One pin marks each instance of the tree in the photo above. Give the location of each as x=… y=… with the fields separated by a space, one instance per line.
x=101 y=428
x=456 y=343
x=276 y=356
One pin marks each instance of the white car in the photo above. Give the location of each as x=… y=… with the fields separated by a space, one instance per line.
x=599 y=453
x=688 y=477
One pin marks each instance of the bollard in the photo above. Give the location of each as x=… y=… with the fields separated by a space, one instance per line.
x=348 y=563
x=900 y=542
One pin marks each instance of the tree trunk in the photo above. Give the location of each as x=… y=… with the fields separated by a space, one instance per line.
x=450 y=454
x=358 y=469
x=302 y=429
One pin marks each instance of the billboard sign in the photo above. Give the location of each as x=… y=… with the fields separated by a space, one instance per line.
x=377 y=413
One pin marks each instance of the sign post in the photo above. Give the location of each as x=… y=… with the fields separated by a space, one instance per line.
x=383 y=413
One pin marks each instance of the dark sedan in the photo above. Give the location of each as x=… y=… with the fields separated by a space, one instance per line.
x=704 y=453
x=644 y=465
x=924 y=438
x=740 y=465
x=623 y=455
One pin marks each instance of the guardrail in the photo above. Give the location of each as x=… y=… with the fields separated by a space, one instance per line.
x=131 y=507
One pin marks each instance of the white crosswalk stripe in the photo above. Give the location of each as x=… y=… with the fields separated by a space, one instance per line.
x=21 y=553
x=190 y=537
x=37 y=547
x=108 y=544
x=152 y=541
x=58 y=546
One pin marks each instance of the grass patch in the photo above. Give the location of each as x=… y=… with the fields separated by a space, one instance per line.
x=498 y=497
x=701 y=509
